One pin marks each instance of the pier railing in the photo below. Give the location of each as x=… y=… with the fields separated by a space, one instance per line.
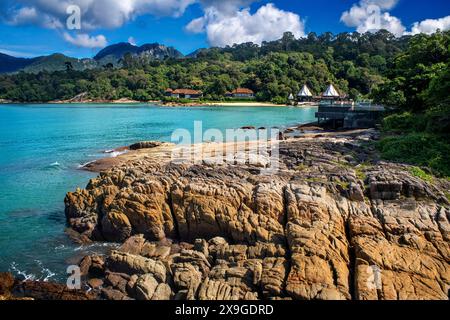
x=350 y=115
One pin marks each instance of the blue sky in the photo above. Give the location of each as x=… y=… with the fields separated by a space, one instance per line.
x=38 y=27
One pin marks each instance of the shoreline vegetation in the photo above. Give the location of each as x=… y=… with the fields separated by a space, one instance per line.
x=357 y=64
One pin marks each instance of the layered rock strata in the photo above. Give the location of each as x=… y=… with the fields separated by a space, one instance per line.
x=333 y=222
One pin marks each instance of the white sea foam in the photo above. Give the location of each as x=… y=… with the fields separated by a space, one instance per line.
x=116 y=153
x=52 y=166
x=80 y=166
x=27 y=276
x=60 y=247
x=46 y=273
x=95 y=246
x=111 y=154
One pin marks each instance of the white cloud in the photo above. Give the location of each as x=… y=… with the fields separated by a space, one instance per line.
x=30 y=15
x=86 y=41
x=227 y=7
x=96 y=13
x=197 y=25
x=220 y=8
x=224 y=21
x=371 y=15
x=132 y=41
x=225 y=26
x=430 y=26
x=383 y=4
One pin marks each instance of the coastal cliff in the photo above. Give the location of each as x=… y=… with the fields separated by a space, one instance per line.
x=333 y=222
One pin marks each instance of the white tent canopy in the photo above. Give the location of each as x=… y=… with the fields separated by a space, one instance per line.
x=331 y=92
x=305 y=92
x=291 y=97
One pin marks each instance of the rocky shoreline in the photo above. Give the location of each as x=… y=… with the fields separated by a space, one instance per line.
x=333 y=223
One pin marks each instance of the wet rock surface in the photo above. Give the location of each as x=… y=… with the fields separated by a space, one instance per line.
x=333 y=222
x=15 y=289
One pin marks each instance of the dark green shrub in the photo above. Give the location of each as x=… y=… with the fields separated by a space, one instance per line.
x=422 y=149
x=404 y=122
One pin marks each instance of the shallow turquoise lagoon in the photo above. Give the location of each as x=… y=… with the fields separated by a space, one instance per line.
x=42 y=147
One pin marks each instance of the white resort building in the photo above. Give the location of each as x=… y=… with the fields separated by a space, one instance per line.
x=305 y=94
x=331 y=93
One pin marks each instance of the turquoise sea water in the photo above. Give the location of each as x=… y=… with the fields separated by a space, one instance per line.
x=42 y=147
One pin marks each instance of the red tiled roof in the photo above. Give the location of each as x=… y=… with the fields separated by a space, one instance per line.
x=169 y=90
x=186 y=91
x=243 y=91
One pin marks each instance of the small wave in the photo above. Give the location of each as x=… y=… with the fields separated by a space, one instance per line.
x=96 y=247
x=60 y=247
x=46 y=273
x=15 y=269
x=81 y=166
x=116 y=153
x=53 y=166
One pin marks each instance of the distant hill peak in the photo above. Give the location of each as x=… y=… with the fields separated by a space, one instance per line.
x=153 y=50
x=195 y=53
x=111 y=54
x=11 y=64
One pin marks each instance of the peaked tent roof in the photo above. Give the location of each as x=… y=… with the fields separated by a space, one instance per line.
x=331 y=92
x=305 y=92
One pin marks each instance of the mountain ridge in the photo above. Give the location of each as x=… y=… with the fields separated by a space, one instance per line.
x=10 y=64
x=110 y=54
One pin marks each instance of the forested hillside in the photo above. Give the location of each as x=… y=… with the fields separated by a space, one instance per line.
x=356 y=63
x=393 y=71
x=418 y=86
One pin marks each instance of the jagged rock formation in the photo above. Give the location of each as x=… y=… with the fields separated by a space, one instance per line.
x=332 y=223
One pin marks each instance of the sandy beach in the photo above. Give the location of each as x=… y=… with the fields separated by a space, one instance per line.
x=168 y=104
x=244 y=104
x=236 y=104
